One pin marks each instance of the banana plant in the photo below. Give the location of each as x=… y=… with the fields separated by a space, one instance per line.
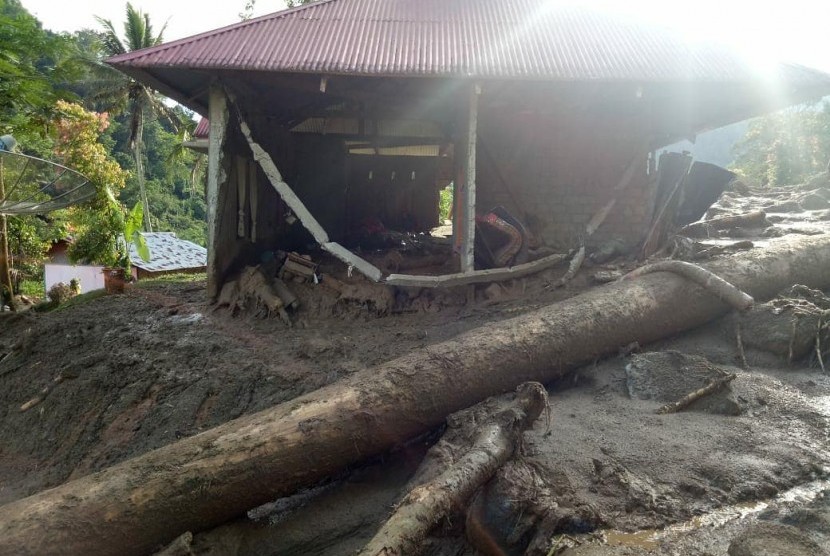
x=130 y=224
x=132 y=234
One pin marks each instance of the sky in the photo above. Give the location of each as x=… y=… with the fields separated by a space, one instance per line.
x=766 y=31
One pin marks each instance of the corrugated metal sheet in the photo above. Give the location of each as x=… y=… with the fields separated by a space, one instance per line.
x=202 y=130
x=168 y=253
x=534 y=39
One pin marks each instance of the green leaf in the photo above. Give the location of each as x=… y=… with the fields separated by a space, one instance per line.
x=141 y=246
x=134 y=220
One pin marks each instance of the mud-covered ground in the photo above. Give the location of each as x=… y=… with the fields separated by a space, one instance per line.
x=128 y=373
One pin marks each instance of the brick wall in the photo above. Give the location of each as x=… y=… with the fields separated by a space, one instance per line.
x=555 y=173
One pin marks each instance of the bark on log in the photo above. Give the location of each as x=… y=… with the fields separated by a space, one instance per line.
x=202 y=481
x=427 y=504
x=730 y=294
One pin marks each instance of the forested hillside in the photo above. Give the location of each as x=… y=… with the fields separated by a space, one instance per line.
x=52 y=86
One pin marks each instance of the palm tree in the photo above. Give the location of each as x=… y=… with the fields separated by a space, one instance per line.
x=118 y=92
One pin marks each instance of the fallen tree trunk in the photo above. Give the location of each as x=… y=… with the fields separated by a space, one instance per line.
x=428 y=503
x=706 y=228
x=202 y=481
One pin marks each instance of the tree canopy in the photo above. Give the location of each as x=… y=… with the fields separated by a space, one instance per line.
x=786 y=147
x=62 y=103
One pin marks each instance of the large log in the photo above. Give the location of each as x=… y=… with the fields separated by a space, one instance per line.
x=428 y=503
x=199 y=482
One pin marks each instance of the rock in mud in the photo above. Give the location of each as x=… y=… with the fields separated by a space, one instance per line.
x=786 y=326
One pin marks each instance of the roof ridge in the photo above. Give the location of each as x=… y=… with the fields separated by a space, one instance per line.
x=214 y=32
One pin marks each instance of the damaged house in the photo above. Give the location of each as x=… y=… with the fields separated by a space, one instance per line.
x=339 y=122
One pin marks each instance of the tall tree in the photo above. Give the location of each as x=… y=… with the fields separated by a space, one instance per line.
x=786 y=147
x=120 y=92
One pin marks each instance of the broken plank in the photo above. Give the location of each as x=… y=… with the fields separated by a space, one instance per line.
x=275 y=177
x=476 y=276
x=363 y=266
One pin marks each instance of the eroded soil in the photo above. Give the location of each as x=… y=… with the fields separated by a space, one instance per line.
x=605 y=476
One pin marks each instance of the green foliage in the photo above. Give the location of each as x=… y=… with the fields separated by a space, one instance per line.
x=123 y=93
x=445 y=203
x=132 y=233
x=96 y=235
x=77 y=143
x=173 y=278
x=30 y=238
x=175 y=177
x=33 y=289
x=37 y=70
x=35 y=67
x=786 y=147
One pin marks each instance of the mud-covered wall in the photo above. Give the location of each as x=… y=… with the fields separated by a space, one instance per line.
x=555 y=173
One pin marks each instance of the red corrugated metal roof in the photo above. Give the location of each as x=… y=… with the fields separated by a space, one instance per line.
x=202 y=129
x=535 y=39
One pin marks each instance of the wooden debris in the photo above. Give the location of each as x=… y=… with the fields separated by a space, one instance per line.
x=427 y=504
x=204 y=480
x=288 y=298
x=353 y=261
x=251 y=290
x=740 y=342
x=381 y=298
x=573 y=268
x=818 y=344
x=707 y=228
x=477 y=276
x=298 y=266
x=665 y=217
x=66 y=375
x=692 y=397
x=709 y=252
x=702 y=277
x=606 y=276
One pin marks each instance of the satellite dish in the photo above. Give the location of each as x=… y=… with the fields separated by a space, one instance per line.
x=30 y=185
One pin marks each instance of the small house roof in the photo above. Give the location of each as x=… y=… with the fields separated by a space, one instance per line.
x=169 y=253
x=498 y=39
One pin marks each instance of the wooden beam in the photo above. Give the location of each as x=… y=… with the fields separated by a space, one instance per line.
x=468 y=209
x=296 y=205
x=363 y=266
x=241 y=165
x=476 y=276
x=218 y=116
x=283 y=189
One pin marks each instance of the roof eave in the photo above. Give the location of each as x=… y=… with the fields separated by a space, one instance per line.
x=146 y=76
